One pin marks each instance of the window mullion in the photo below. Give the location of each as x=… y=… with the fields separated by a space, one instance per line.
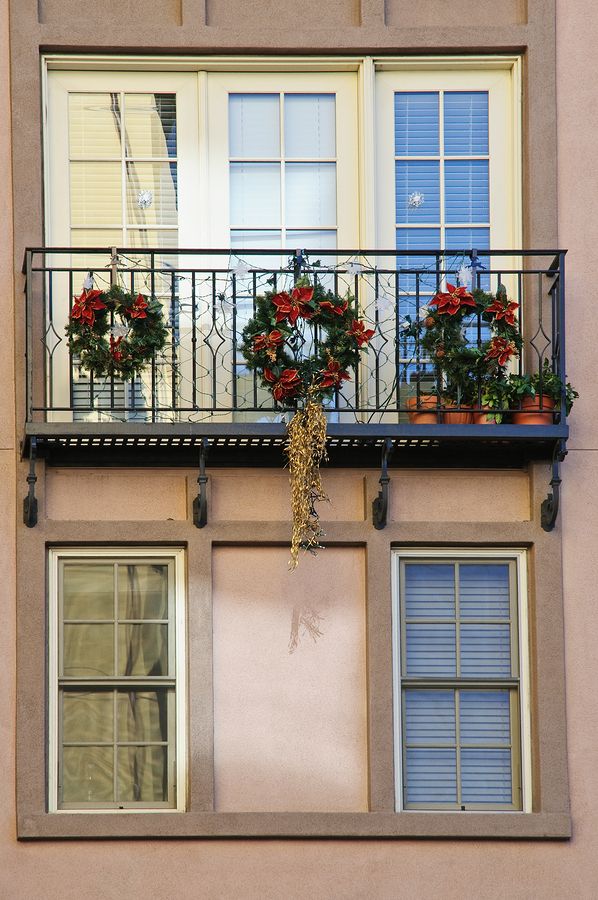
x=457 y=695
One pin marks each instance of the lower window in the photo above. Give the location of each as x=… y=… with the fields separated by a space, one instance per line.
x=116 y=680
x=461 y=721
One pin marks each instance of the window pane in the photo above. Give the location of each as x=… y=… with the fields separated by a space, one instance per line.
x=88 y=591
x=254 y=194
x=88 y=650
x=429 y=591
x=485 y=650
x=143 y=650
x=418 y=239
x=431 y=776
x=310 y=194
x=96 y=196
x=416 y=124
x=431 y=650
x=143 y=774
x=429 y=717
x=466 y=123
x=87 y=716
x=254 y=125
x=485 y=717
x=486 y=776
x=466 y=188
x=418 y=191
x=87 y=774
x=94 y=125
x=142 y=592
x=151 y=193
x=142 y=715
x=150 y=124
x=309 y=125
x=314 y=240
x=484 y=591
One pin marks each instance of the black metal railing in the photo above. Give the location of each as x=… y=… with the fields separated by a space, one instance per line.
x=209 y=295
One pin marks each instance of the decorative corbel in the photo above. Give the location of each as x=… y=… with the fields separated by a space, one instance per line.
x=200 y=504
x=550 y=507
x=380 y=504
x=30 y=501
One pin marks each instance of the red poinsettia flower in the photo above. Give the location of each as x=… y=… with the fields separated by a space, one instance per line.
x=287 y=385
x=451 y=301
x=138 y=310
x=338 y=308
x=267 y=341
x=333 y=375
x=291 y=306
x=504 y=310
x=501 y=350
x=115 y=353
x=85 y=305
x=361 y=334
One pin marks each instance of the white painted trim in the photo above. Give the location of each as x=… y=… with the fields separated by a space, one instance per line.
x=178 y=555
x=521 y=559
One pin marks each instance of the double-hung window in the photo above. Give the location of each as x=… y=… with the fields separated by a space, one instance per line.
x=461 y=721
x=117 y=680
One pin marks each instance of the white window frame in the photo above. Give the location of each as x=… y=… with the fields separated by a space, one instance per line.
x=519 y=556
x=177 y=555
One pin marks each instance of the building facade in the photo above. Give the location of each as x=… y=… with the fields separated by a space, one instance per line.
x=436 y=739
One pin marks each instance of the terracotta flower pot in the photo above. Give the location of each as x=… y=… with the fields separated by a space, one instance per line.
x=462 y=415
x=426 y=402
x=530 y=413
x=482 y=418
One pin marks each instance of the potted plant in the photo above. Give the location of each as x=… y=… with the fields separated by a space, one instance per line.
x=494 y=398
x=538 y=395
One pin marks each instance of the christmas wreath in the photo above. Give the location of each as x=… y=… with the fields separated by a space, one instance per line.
x=113 y=333
x=303 y=344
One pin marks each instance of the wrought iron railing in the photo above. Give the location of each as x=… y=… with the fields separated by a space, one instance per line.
x=209 y=295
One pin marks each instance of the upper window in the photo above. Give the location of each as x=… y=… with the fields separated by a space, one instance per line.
x=116 y=691
x=459 y=685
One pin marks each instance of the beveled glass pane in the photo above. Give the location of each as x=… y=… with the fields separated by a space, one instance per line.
x=88 y=591
x=96 y=194
x=150 y=125
x=143 y=774
x=88 y=650
x=143 y=715
x=254 y=125
x=142 y=591
x=87 y=775
x=87 y=716
x=93 y=125
x=313 y=240
x=310 y=125
x=310 y=194
x=431 y=776
x=431 y=650
x=465 y=123
x=151 y=193
x=254 y=195
x=416 y=123
x=417 y=191
x=143 y=650
x=154 y=238
x=429 y=591
x=254 y=240
x=429 y=717
x=466 y=190
x=484 y=591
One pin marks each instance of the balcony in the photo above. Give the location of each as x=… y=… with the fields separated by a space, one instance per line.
x=198 y=394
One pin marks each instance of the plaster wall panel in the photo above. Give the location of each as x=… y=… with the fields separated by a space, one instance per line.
x=237 y=14
x=245 y=495
x=427 y=13
x=459 y=496
x=109 y=495
x=289 y=728
x=145 y=12
x=7 y=380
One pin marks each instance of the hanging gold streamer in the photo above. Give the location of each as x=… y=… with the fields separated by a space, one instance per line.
x=306 y=450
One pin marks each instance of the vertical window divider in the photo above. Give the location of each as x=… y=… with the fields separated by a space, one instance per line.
x=441 y=172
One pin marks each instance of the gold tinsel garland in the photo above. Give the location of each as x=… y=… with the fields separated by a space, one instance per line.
x=306 y=450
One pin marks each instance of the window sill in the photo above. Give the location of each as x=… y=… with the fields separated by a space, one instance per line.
x=498 y=825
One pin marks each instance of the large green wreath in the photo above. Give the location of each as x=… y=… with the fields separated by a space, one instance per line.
x=113 y=333
x=302 y=344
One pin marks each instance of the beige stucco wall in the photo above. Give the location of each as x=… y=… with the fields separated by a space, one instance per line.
x=368 y=869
